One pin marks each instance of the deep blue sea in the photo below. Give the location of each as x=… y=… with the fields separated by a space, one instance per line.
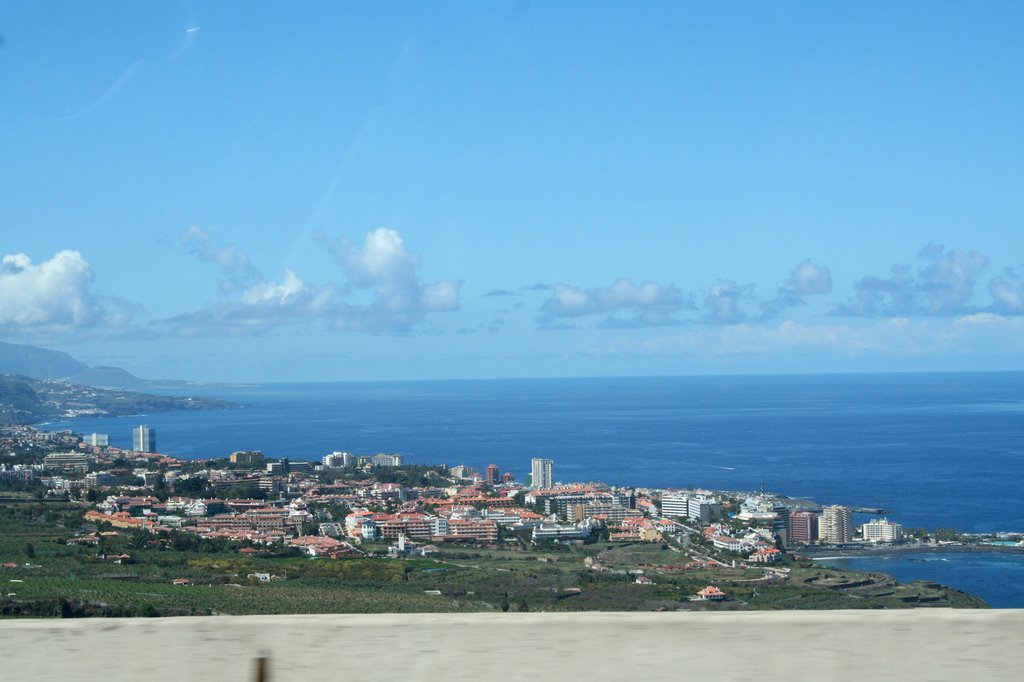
x=935 y=450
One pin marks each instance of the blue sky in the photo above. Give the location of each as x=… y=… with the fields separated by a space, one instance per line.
x=459 y=189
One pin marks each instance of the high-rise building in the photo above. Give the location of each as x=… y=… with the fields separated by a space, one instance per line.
x=101 y=440
x=834 y=527
x=802 y=529
x=704 y=508
x=143 y=439
x=675 y=504
x=543 y=472
x=493 y=474
x=508 y=477
x=464 y=472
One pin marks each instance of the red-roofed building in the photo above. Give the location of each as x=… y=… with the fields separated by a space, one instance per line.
x=710 y=593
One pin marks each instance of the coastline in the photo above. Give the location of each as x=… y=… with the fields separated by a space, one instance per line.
x=893 y=550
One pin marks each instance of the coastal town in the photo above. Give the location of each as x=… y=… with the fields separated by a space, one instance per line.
x=694 y=548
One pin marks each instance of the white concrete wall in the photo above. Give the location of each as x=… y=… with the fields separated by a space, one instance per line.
x=958 y=645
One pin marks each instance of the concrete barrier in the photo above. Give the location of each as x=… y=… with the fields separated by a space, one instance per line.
x=794 y=645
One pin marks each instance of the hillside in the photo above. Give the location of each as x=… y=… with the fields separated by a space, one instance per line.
x=24 y=400
x=41 y=363
x=38 y=363
x=108 y=377
x=19 y=403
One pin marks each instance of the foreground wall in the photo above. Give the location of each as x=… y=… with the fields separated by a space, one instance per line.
x=829 y=645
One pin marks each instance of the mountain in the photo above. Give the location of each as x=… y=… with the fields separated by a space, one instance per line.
x=19 y=402
x=38 y=363
x=42 y=363
x=108 y=377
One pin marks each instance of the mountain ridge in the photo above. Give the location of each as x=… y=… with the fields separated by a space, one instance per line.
x=35 y=362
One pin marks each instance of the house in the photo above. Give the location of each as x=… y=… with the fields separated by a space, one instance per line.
x=710 y=593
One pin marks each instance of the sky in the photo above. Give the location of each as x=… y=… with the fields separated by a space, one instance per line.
x=420 y=190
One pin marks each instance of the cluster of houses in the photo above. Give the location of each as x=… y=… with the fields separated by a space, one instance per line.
x=758 y=543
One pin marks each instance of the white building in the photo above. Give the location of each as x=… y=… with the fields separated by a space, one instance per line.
x=834 y=525
x=387 y=460
x=700 y=507
x=675 y=504
x=550 y=529
x=68 y=462
x=101 y=440
x=882 y=530
x=143 y=439
x=339 y=460
x=542 y=472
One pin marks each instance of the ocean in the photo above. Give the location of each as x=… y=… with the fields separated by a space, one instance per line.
x=933 y=450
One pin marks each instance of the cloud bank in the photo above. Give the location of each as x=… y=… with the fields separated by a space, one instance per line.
x=381 y=266
x=623 y=303
x=942 y=288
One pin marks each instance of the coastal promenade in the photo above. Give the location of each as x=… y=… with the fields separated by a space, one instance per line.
x=792 y=645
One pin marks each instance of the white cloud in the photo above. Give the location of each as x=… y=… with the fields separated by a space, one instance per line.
x=942 y=288
x=647 y=303
x=234 y=263
x=51 y=296
x=441 y=296
x=897 y=337
x=288 y=291
x=1008 y=291
x=384 y=266
x=808 y=279
x=722 y=303
x=382 y=259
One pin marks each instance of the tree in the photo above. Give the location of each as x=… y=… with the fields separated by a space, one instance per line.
x=947 y=535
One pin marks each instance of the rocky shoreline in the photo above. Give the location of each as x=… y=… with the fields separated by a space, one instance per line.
x=923 y=548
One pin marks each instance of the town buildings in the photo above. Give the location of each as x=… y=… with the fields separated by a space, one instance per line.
x=699 y=506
